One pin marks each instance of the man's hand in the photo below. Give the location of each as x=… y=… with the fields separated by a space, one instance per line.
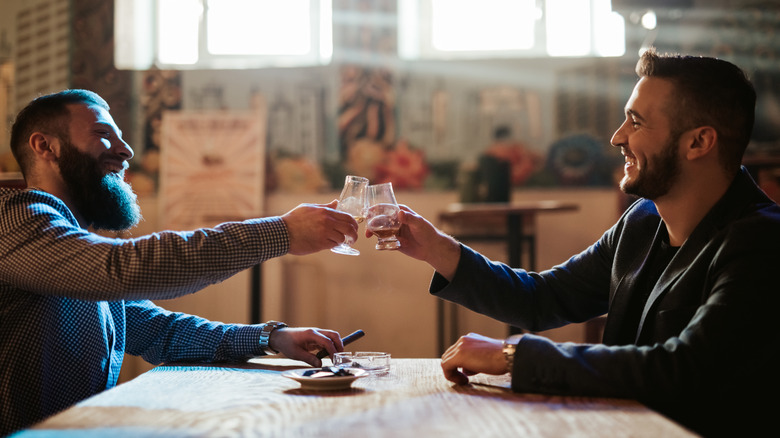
x=473 y=354
x=303 y=343
x=421 y=240
x=314 y=227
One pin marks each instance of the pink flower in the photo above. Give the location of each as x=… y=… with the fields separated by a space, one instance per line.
x=405 y=167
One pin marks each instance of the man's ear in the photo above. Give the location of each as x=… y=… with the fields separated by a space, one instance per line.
x=701 y=141
x=44 y=146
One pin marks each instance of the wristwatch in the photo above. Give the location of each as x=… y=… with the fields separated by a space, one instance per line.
x=265 y=336
x=510 y=345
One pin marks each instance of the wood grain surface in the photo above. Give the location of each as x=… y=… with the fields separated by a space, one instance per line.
x=413 y=399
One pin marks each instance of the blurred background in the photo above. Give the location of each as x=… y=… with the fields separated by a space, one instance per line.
x=240 y=108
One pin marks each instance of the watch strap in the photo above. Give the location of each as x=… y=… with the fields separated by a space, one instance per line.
x=265 y=336
x=510 y=346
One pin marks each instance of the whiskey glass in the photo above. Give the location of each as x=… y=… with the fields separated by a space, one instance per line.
x=353 y=202
x=382 y=216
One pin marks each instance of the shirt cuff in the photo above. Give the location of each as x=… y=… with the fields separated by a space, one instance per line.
x=248 y=341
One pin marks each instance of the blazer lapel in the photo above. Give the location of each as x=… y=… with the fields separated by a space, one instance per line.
x=677 y=266
x=624 y=291
x=720 y=214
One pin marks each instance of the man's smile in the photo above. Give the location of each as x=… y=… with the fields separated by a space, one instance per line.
x=115 y=166
x=630 y=159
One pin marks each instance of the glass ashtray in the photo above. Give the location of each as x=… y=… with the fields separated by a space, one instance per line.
x=375 y=362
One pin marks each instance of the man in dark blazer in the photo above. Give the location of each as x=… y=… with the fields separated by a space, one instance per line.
x=686 y=276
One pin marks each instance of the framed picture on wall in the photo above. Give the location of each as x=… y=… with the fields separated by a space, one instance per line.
x=212 y=167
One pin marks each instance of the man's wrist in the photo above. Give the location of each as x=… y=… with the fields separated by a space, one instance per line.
x=446 y=256
x=265 y=336
x=509 y=349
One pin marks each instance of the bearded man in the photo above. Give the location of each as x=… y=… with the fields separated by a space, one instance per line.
x=72 y=302
x=686 y=277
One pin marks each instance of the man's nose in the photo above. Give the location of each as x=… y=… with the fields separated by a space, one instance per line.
x=123 y=149
x=618 y=138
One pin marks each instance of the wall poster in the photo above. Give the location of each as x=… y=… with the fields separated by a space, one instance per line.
x=212 y=167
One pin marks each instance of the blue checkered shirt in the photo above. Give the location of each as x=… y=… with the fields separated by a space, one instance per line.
x=72 y=302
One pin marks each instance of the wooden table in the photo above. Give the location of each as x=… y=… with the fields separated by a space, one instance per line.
x=513 y=223
x=413 y=399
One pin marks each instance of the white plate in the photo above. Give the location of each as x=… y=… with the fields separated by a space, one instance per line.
x=325 y=383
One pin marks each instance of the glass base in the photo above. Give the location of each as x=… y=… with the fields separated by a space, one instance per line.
x=345 y=249
x=387 y=244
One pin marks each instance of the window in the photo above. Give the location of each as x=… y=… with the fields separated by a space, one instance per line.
x=222 y=33
x=446 y=29
x=494 y=25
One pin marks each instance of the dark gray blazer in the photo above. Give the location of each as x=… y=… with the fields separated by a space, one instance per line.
x=708 y=340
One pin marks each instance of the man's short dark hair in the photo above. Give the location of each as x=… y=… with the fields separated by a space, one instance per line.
x=48 y=114
x=708 y=92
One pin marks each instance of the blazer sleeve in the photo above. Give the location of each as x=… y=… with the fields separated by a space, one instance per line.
x=574 y=291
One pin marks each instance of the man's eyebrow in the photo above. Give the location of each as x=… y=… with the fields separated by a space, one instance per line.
x=107 y=125
x=634 y=114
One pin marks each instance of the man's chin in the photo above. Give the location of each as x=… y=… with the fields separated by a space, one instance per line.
x=625 y=185
x=116 y=177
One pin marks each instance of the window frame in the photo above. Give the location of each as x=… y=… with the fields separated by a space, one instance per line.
x=415 y=39
x=137 y=46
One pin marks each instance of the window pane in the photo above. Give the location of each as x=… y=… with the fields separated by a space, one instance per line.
x=568 y=27
x=465 y=25
x=610 y=35
x=177 y=30
x=326 y=31
x=259 y=27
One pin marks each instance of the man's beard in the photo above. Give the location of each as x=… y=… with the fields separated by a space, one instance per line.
x=659 y=175
x=104 y=200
